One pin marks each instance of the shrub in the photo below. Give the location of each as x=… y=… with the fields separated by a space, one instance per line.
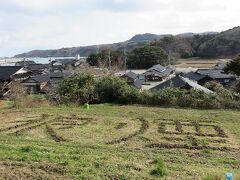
x=113 y=89
x=161 y=169
x=78 y=89
x=84 y=88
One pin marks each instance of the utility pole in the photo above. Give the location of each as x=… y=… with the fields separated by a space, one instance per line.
x=125 y=59
x=109 y=60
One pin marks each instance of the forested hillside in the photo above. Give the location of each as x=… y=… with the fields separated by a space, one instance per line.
x=204 y=45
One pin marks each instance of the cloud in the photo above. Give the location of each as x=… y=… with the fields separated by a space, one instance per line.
x=42 y=24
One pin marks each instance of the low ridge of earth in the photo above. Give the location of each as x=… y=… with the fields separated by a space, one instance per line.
x=117 y=142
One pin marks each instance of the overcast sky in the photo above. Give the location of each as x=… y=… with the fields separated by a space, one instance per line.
x=47 y=24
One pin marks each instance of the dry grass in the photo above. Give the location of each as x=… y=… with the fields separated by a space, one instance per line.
x=118 y=142
x=197 y=63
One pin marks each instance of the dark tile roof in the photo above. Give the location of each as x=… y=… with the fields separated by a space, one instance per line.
x=160 y=70
x=195 y=76
x=180 y=82
x=37 y=67
x=176 y=82
x=138 y=83
x=7 y=71
x=49 y=77
x=131 y=75
x=216 y=73
x=157 y=67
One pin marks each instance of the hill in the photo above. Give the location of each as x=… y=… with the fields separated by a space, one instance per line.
x=225 y=44
x=205 y=45
x=137 y=40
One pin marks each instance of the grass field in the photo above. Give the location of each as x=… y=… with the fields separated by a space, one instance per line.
x=118 y=142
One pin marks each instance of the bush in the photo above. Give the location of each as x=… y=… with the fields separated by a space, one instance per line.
x=160 y=170
x=113 y=89
x=78 y=89
x=84 y=88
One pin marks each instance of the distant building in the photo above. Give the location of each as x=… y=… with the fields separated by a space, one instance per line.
x=25 y=63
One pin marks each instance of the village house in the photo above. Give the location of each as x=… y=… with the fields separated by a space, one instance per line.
x=158 y=73
x=43 y=83
x=219 y=76
x=7 y=71
x=182 y=83
x=201 y=79
x=146 y=79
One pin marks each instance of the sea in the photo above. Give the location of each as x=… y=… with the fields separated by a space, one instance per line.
x=38 y=60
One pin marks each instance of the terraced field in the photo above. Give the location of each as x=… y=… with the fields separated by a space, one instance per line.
x=118 y=142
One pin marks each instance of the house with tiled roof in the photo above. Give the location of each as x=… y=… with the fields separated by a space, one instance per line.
x=181 y=83
x=219 y=76
x=197 y=77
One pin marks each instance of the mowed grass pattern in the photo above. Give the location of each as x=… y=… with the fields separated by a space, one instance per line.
x=117 y=142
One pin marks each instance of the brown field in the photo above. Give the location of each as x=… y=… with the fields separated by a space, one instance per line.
x=198 y=63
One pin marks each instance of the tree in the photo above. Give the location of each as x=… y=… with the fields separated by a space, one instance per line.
x=233 y=66
x=77 y=89
x=93 y=60
x=114 y=89
x=146 y=57
x=98 y=59
x=102 y=58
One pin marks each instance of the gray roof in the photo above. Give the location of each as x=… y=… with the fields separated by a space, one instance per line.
x=216 y=74
x=160 y=70
x=181 y=82
x=50 y=76
x=138 y=83
x=157 y=67
x=131 y=75
x=195 y=76
x=7 y=71
x=37 y=67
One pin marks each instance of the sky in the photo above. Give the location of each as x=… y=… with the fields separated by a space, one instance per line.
x=49 y=24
